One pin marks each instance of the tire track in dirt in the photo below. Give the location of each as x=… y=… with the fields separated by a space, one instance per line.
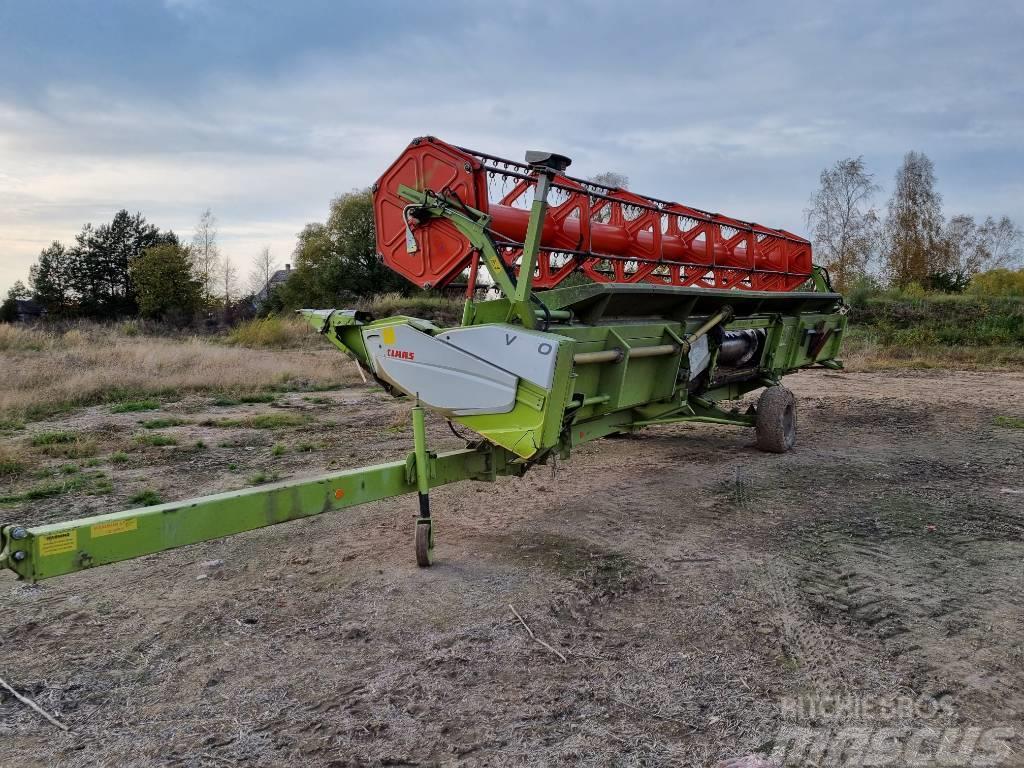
x=912 y=580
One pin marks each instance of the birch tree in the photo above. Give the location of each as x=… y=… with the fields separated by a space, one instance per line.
x=843 y=223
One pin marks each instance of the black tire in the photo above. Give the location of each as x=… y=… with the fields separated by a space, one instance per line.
x=424 y=552
x=776 y=420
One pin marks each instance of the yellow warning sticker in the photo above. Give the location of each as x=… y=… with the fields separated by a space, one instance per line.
x=388 y=335
x=114 y=526
x=58 y=543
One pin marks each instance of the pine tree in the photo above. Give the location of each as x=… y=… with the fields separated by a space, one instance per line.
x=51 y=281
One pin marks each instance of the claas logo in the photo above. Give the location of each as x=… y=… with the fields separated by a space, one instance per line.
x=402 y=354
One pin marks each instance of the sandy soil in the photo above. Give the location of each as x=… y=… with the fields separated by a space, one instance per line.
x=694 y=586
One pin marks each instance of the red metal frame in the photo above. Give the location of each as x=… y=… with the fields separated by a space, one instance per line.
x=611 y=235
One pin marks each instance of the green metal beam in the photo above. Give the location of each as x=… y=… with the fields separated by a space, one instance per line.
x=534 y=232
x=53 y=550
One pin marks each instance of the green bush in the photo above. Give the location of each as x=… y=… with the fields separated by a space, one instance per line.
x=998 y=282
x=146 y=498
x=442 y=310
x=943 y=320
x=269 y=332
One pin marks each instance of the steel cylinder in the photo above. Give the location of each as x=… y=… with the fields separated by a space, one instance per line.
x=738 y=347
x=608 y=238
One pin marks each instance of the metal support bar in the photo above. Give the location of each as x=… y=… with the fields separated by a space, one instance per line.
x=534 y=231
x=655 y=351
x=53 y=550
x=424 y=537
x=616 y=354
x=553 y=314
x=711 y=322
x=604 y=356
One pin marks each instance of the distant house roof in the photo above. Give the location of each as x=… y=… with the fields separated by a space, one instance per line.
x=280 y=277
x=28 y=309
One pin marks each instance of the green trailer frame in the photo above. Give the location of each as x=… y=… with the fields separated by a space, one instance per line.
x=621 y=363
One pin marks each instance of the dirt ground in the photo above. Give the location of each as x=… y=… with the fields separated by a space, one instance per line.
x=695 y=587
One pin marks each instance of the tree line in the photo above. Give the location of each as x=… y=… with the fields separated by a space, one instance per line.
x=912 y=243
x=130 y=267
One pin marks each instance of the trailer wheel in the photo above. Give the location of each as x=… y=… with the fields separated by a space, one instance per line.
x=776 y=420
x=424 y=545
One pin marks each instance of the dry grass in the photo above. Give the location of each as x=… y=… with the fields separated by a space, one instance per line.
x=862 y=353
x=46 y=372
x=273 y=332
x=442 y=310
x=12 y=462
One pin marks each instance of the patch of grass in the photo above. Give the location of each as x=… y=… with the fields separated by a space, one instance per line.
x=943 y=320
x=133 y=406
x=11 y=425
x=199 y=445
x=863 y=352
x=277 y=450
x=54 y=438
x=263 y=477
x=118 y=457
x=1010 y=422
x=170 y=421
x=11 y=464
x=146 y=498
x=16 y=338
x=70 y=469
x=312 y=386
x=270 y=332
x=252 y=398
x=439 y=309
x=318 y=400
x=80 y=448
x=259 y=397
x=47 y=490
x=41 y=411
x=305 y=447
x=156 y=439
x=106 y=364
x=94 y=462
x=50 y=489
x=923 y=331
x=262 y=421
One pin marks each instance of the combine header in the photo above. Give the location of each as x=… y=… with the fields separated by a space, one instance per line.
x=677 y=312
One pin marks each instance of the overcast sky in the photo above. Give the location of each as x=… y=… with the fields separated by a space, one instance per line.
x=264 y=111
